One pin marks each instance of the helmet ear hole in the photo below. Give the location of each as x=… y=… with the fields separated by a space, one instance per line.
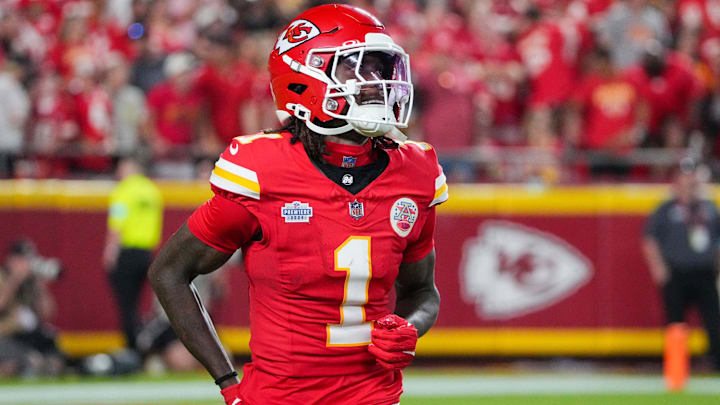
x=297 y=88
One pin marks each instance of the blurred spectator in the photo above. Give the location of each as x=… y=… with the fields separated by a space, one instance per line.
x=130 y=121
x=147 y=71
x=224 y=83
x=92 y=148
x=607 y=116
x=699 y=21
x=668 y=84
x=681 y=249
x=53 y=126
x=549 y=53
x=447 y=90
x=14 y=111
x=174 y=108
x=263 y=14
x=134 y=230
x=500 y=106
x=628 y=26
x=27 y=342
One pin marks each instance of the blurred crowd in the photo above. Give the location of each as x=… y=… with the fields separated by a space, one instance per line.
x=507 y=90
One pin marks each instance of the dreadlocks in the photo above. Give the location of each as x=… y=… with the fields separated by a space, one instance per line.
x=314 y=143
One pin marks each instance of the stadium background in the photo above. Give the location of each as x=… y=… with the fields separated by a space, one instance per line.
x=545 y=145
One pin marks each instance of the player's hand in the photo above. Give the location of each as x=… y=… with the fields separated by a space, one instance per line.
x=393 y=342
x=232 y=395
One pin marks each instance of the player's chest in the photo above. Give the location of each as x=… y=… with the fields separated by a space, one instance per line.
x=324 y=236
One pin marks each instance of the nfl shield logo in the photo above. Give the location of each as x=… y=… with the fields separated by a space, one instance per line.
x=356 y=209
x=349 y=161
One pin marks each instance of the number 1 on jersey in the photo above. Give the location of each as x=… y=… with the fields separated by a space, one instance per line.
x=353 y=257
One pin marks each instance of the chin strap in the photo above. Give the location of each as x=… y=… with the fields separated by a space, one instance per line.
x=304 y=114
x=329 y=131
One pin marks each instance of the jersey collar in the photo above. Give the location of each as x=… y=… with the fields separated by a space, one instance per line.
x=343 y=155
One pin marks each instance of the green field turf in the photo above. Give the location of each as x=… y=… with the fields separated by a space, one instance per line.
x=660 y=399
x=422 y=387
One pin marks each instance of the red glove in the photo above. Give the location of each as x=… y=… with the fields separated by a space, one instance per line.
x=232 y=395
x=393 y=342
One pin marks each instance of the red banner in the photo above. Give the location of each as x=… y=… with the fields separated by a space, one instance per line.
x=565 y=260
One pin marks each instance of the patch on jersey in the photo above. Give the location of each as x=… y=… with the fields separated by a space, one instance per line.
x=403 y=215
x=296 y=211
x=357 y=210
x=349 y=161
x=298 y=32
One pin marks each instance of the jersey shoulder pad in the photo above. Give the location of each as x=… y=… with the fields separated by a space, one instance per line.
x=424 y=159
x=236 y=171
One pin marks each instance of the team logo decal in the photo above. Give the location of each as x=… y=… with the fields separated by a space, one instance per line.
x=296 y=211
x=510 y=270
x=298 y=32
x=357 y=210
x=403 y=215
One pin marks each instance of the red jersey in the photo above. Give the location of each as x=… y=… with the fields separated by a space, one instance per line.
x=328 y=259
x=609 y=108
x=174 y=112
x=550 y=59
x=225 y=93
x=670 y=94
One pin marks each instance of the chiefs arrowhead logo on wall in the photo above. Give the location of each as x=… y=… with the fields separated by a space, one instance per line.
x=296 y=33
x=511 y=270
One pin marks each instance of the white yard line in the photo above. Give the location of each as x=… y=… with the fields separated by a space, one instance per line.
x=415 y=385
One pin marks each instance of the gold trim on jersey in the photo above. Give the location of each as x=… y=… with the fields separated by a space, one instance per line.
x=441 y=190
x=422 y=145
x=235 y=179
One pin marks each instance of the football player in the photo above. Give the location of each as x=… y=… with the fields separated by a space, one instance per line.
x=330 y=214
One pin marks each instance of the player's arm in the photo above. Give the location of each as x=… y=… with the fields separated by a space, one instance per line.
x=182 y=258
x=418 y=299
x=651 y=250
x=656 y=264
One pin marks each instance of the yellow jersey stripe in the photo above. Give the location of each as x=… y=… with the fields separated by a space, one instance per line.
x=441 y=199
x=440 y=180
x=237 y=170
x=442 y=190
x=242 y=181
x=422 y=145
x=232 y=187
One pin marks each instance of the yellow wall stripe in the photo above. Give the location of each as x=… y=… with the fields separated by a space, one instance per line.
x=248 y=184
x=460 y=342
x=475 y=199
x=90 y=195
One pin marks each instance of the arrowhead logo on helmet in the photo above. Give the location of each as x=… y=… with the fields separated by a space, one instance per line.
x=297 y=32
x=511 y=270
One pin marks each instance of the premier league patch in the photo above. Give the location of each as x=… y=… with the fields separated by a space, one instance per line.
x=296 y=211
x=357 y=210
x=349 y=161
x=403 y=215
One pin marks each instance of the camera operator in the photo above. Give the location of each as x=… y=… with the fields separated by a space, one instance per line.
x=27 y=341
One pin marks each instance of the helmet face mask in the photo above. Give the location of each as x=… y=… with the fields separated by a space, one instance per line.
x=354 y=73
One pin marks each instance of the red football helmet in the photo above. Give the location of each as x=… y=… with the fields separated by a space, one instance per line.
x=337 y=62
